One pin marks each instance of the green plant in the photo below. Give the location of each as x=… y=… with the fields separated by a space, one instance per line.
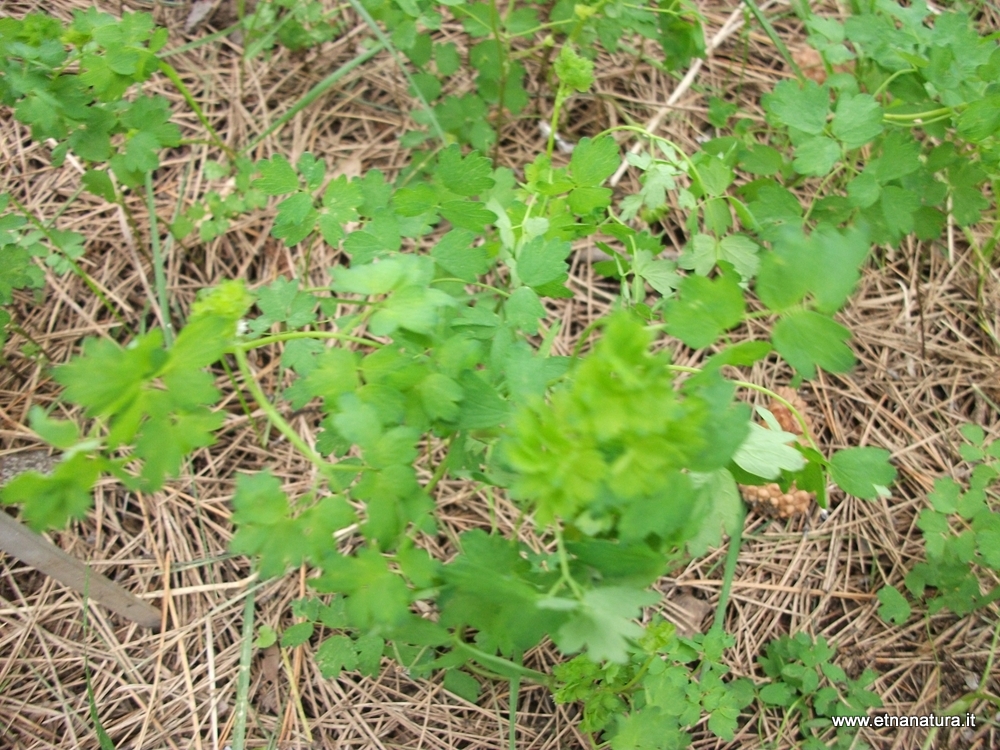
x=440 y=363
x=961 y=533
x=668 y=685
x=806 y=683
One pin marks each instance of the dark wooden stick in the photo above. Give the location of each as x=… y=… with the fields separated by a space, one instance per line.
x=41 y=554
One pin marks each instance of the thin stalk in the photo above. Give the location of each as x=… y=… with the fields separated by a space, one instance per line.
x=775 y=39
x=168 y=70
x=439 y=471
x=470 y=283
x=505 y=665
x=279 y=421
x=314 y=93
x=292 y=335
x=732 y=557
x=564 y=565
x=380 y=35
x=503 y=54
x=200 y=42
x=515 y=690
x=243 y=676
x=159 y=274
x=62 y=209
x=921 y=116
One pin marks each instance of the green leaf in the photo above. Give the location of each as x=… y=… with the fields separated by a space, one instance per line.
x=648 y=729
x=463 y=685
x=593 y=161
x=455 y=254
x=603 y=623
x=266 y=637
x=703 y=253
x=894 y=608
x=369 y=648
x=858 y=120
x=862 y=472
x=99 y=183
x=973 y=433
x=659 y=274
x=282 y=302
x=767 y=453
x=705 y=309
x=296 y=219
x=804 y=109
x=296 y=635
x=816 y=156
x=543 y=261
x=900 y=157
x=807 y=339
x=469 y=176
x=777 y=694
x=336 y=654
x=50 y=501
x=62 y=434
x=523 y=309
x=277 y=176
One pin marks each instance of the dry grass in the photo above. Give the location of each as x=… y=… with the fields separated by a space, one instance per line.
x=926 y=333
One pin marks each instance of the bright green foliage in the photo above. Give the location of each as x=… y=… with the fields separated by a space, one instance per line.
x=803 y=680
x=82 y=107
x=445 y=338
x=961 y=532
x=665 y=688
x=862 y=472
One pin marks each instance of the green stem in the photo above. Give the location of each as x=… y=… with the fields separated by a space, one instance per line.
x=515 y=691
x=159 y=275
x=439 y=471
x=504 y=665
x=279 y=421
x=380 y=35
x=168 y=70
x=775 y=39
x=314 y=93
x=922 y=116
x=564 y=565
x=732 y=557
x=292 y=335
x=585 y=335
x=639 y=675
x=243 y=676
x=471 y=283
x=201 y=41
x=561 y=96
x=885 y=84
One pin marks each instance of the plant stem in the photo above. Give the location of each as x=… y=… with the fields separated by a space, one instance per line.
x=168 y=70
x=775 y=39
x=279 y=422
x=504 y=665
x=564 y=564
x=387 y=43
x=159 y=276
x=292 y=335
x=243 y=676
x=732 y=557
x=314 y=93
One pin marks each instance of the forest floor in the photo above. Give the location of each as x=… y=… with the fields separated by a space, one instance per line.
x=925 y=327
